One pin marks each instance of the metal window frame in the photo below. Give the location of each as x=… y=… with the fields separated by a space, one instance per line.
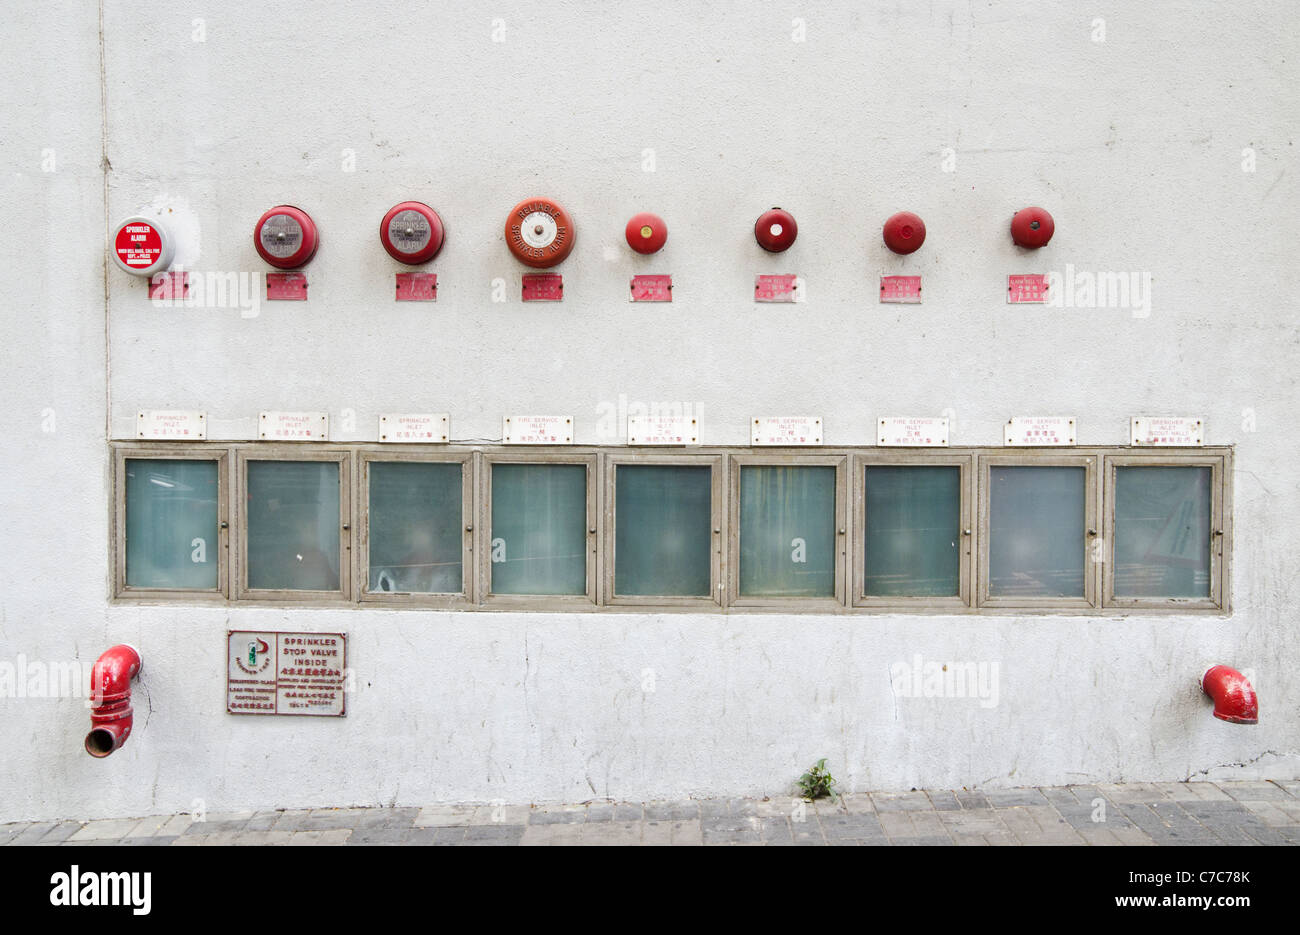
x=415 y=455
x=600 y=462
x=640 y=457
x=1090 y=460
x=347 y=535
x=546 y=455
x=1219 y=460
x=162 y=451
x=964 y=460
x=786 y=458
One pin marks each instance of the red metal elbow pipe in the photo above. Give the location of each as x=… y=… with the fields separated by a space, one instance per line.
x=110 y=691
x=1234 y=696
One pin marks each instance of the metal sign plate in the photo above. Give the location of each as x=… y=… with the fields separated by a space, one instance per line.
x=417 y=287
x=652 y=288
x=173 y=286
x=662 y=430
x=415 y=428
x=1168 y=431
x=543 y=287
x=286 y=287
x=785 y=430
x=902 y=290
x=294 y=426
x=913 y=432
x=1039 y=431
x=286 y=673
x=281 y=235
x=778 y=288
x=171 y=425
x=537 y=430
x=1029 y=289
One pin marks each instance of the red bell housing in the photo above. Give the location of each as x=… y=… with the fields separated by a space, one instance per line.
x=1032 y=227
x=775 y=230
x=646 y=233
x=904 y=232
x=286 y=237
x=411 y=232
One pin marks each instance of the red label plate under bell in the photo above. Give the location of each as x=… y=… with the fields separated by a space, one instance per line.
x=902 y=290
x=1027 y=289
x=652 y=288
x=778 y=288
x=169 y=286
x=286 y=287
x=417 y=287
x=543 y=287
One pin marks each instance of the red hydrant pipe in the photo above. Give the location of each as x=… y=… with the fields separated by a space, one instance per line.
x=110 y=691
x=1234 y=696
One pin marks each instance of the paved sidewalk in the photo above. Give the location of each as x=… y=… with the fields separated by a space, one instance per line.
x=1232 y=813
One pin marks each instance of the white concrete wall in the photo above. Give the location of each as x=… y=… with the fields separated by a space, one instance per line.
x=1135 y=144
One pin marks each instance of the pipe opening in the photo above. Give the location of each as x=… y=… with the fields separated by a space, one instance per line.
x=100 y=742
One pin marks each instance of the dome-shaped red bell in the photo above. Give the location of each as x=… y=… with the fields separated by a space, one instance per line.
x=904 y=232
x=646 y=233
x=775 y=230
x=1032 y=227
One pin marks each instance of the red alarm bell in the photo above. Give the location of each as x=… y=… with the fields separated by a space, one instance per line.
x=775 y=230
x=286 y=237
x=1032 y=227
x=411 y=232
x=646 y=233
x=142 y=246
x=904 y=232
x=539 y=233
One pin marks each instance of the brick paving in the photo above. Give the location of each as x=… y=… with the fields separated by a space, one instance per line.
x=1224 y=813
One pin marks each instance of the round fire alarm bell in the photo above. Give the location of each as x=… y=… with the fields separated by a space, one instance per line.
x=142 y=247
x=775 y=230
x=646 y=233
x=904 y=232
x=539 y=233
x=1032 y=227
x=286 y=237
x=411 y=233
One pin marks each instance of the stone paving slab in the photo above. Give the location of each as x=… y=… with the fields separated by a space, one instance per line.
x=1239 y=814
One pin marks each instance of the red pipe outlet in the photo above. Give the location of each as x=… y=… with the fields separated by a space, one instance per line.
x=110 y=690
x=1234 y=696
x=775 y=230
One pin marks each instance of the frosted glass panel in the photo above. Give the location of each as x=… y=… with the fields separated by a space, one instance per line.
x=1162 y=531
x=539 y=535
x=171 y=523
x=913 y=535
x=663 y=530
x=293 y=525
x=1036 y=518
x=415 y=527
x=787 y=531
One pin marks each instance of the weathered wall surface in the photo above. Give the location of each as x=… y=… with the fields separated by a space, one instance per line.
x=1134 y=143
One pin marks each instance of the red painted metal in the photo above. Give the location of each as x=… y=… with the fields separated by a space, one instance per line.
x=543 y=287
x=306 y=246
x=775 y=230
x=652 y=288
x=110 y=692
x=549 y=237
x=1234 y=696
x=1032 y=227
x=646 y=233
x=407 y=243
x=775 y=288
x=904 y=232
x=286 y=287
x=417 y=287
